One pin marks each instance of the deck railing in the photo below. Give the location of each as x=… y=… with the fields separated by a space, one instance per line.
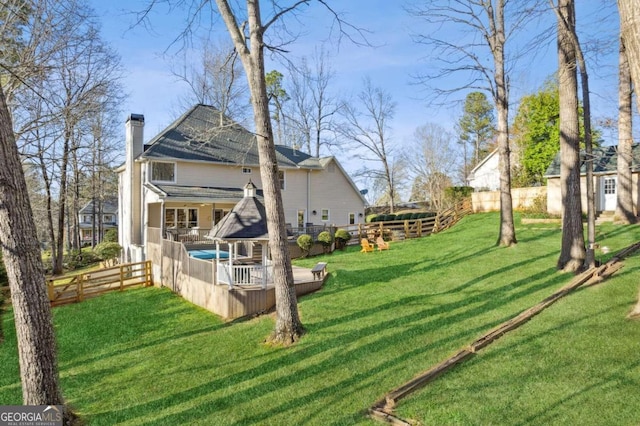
x=233 y=275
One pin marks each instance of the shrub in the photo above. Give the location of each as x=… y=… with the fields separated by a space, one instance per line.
x=343 y=235
x=79 y=259
x=305 y=242
x=110 y=236
x=108 y=252
x=325 y=239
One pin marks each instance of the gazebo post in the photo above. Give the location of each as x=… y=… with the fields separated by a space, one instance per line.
x=231 y=254
x=265 y=267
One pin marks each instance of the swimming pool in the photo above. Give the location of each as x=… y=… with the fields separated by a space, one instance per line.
x=209 y=254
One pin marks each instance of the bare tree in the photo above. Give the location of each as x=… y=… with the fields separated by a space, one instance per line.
x=215 y=78
x=431 y=162
x=369 y=131
x=22 y=258
x=624 y=207
x=572 y=254
x=487 y=72
x=313 y=107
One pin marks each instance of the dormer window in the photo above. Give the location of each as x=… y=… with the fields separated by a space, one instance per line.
x=163 y=172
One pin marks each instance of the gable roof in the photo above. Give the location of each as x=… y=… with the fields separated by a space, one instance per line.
x=605 y=161
x=481 y=164
x=204 y=134
x=246 y=221
x=109 y=205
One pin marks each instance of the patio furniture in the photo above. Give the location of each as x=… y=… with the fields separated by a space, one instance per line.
x=382 y=244
x=319 y=270
x=366 y=246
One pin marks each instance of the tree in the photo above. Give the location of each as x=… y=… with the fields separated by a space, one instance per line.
x=485 y=19
x=277 y=96
x=312 y=107
x=215 y=79
x=369 y=130
x=537 y=133
x=572 y=254
x=431 y=160
x=250 y=48
x=476 y=127
x=624 y=207
x=630 y=38
x=21 y=255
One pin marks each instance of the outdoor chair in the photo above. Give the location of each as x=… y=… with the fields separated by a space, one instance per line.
x=382 y=244
x=366 y=246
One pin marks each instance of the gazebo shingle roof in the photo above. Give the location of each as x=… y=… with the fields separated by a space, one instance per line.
x=247 y=221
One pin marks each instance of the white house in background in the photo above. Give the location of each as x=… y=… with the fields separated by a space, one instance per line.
x=189 y=176
x=486 y=175
x=605 y=180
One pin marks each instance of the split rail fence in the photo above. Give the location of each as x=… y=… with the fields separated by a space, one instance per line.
x=77 y=287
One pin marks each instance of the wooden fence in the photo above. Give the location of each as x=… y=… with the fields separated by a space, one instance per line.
x=76 y=288
x=409 y=228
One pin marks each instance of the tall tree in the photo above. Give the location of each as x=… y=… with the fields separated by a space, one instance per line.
x=624 y=207
x=476 y=126
x=250 y=48
x=367 y=127
x=277 y=96
x=312 y=107
x=22 y=258
x=573 y=253
x=630 y=38
x=215 y=78
x=485 y=19
x=432 y=161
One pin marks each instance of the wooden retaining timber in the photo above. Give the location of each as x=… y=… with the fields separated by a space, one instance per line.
x=383 y=409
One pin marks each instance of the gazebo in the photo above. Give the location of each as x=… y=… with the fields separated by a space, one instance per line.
x=246 y=223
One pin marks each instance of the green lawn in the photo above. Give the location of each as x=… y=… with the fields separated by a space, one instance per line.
x=146 y=357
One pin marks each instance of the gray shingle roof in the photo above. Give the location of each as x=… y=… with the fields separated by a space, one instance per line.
x=247 y=221
x=202 y=134
x=215 y=193
x=605 y=161
x=109 y=205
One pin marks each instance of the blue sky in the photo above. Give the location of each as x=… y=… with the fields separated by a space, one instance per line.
x=153 y=91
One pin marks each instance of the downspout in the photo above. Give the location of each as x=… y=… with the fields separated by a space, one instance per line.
x=162 y=242
x=308 y=196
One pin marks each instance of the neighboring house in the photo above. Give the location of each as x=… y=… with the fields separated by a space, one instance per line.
x=605 y=180
x=486 y=175
x=192 y=174
x=99 y=218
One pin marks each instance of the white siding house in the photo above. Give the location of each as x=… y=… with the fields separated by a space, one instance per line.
x=193 y=173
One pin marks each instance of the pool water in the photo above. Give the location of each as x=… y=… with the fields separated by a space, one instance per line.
x=209 y=254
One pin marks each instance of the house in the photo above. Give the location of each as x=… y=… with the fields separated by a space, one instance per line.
x=485 y=176
x=605 y=175
x=190 y=175
x=97 y=217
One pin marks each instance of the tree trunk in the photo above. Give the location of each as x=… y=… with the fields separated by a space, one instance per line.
x=21 y=254
x=625 y=211
x=630 y=34
x=288 y=327
x=507 y=236
x=572 y=254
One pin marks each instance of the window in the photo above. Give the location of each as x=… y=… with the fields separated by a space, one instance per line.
x=163 y=172
x=86 y=218
x=246 y=170
x=325 y=215
x=180 y=218
x=218 y=214
x=281 y=179
x=108 y=218
x=609 y=186
x=352 y=218
x=301 y=217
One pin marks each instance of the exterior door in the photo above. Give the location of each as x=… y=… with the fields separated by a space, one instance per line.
x=609 y=193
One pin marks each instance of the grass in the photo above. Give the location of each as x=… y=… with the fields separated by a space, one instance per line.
x=147 y=357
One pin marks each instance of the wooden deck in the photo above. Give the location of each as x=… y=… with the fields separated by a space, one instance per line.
x=242 y=301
